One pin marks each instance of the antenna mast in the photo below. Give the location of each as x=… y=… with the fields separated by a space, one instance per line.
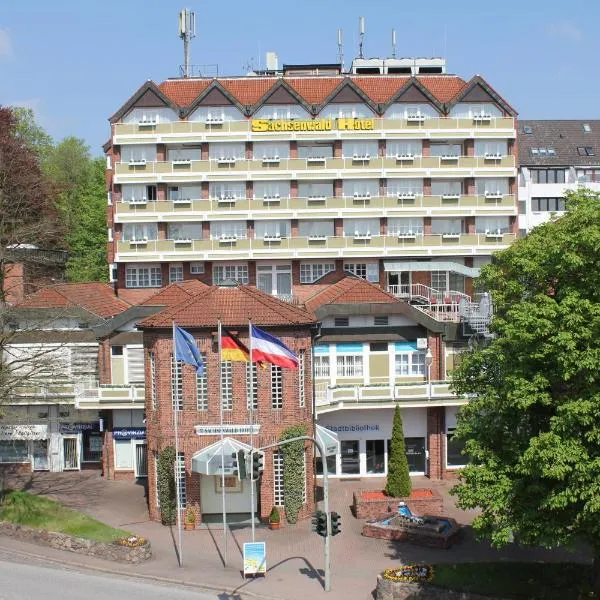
x=361 y=32
x=340 y=49
x=187 y=31
x=393 y=43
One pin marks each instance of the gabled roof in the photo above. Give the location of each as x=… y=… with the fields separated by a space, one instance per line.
x=478 y=89
x=215 y=87
x=282 y=86
x=176 y=293
x=564 y=137
x=233 y=306
x=414 y=85
x=149 y=94
x=350 y=290
x=96 y=298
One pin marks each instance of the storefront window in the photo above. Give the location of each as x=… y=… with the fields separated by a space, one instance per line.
x=92 y=446
x=375 y=456
x=14 y=451
x=123 y=454
x=350 y=457
x=454 y=451
x=329 y=461
x=415 y=453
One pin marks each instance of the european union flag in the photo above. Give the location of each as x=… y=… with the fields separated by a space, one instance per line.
x=186 y=349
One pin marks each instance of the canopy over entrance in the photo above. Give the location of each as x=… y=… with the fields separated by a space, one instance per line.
x=330 y=440
x=394 y=266
x=208 y=460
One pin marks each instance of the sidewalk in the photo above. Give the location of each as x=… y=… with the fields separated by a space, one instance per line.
x=294 y=554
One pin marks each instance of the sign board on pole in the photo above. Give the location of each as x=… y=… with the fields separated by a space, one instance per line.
x=255 y=558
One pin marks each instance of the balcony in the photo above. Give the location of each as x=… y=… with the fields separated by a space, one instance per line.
x=40 y=393
x=110 y=396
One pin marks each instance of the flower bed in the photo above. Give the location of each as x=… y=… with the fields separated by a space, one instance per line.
x=376 y=504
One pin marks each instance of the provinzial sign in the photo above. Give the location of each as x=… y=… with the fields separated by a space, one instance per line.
x=227 y=429
x=23 y=432
x=255 y=558
x=266 y=125
x=78 y=427
x=129 y=433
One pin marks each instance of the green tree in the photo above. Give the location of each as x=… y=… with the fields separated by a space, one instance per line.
x=398 y=480
x=532 y=426
x=165 y=484
x=31 y=134
x=87 y=238
x=294 y=481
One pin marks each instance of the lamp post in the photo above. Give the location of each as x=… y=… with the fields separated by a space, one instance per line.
x=429 y=362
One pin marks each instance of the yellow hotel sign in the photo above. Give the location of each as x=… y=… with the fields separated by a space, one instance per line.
x=262 y=125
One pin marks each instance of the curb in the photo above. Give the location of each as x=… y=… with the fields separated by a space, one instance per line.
x=200 y=586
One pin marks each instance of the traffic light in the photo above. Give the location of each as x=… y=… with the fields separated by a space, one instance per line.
x=241 y=464
x=258 y=464
x=319 y=523
x=235 y=465
x=336 y=523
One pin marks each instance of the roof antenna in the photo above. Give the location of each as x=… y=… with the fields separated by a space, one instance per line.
x=187 y=31
x=393 y=43
x=340 y=49
x=361 y=32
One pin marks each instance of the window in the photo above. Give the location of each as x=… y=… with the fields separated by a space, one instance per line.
x=140 y=232
x=440 y=226
x=359 y=149
x=491 y=147
x=381 y=320
x=444 y=281
x=348 y=111
x=358 y=227
x=405 y=226
x=226 y=150
x=278 y=495
x=548 y=175
x=349 y=365
x=315 y=190
x=586 y=151
x=321 y=366
x=226 y=384
x=227 y=190
x=14 y=451
x=176 y=384
x=492 y=225
x=123 y=454
x=491 y=186
x=276 y=387
x=463 y=110
x=215 y=114
x=368 y=271
x=228 y=229
x=141 y=153
x=271 y=150
x=548 y=204
x=534 y=151
x=251 y=386
x=183 y=153
x=224 y=273
x=153 y=380
x=445 y=150
x=138 y=193
x=543 y=151
x=181 y=479
x=588 y=175
x=527 y=129
x=184 y=231
x=406 y=148
x=341 y=321
x=143 y=277
x=586 y=128
x=276 y=229
x=301 y=378
x=446 y=188
x=135 y=365
x=196 y=268
x=184 y=192
x=408 y=360
x=311 y=272
x=378 y=347
x=92 y=446
x=404 y=187
x=454 y=450
x=116 y=350
x=361 y=188
x=202 y=386
x=316 y=229
x=271 y=190
x=315 y=151
x=400 y=110
x=281 y=111
x=175 y=273
x=274 y=279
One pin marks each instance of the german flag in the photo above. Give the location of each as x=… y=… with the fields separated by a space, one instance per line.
x=232 y=348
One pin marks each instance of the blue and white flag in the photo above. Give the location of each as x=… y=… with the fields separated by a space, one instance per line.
x=267 y=348
x=186 y=349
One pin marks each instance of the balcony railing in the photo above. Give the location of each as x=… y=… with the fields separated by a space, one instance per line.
x=423 y=293
x=111 y=396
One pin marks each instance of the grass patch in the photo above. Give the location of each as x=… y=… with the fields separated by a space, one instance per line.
x=550 y=581
x=30 y=510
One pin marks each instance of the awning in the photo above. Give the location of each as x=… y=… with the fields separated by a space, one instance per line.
x=434 y=265
x=328 y=439
x=208 y=460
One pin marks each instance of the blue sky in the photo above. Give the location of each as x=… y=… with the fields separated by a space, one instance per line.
x=75 y=62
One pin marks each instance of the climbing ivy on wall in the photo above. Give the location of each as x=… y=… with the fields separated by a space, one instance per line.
x=165 y=483
x=293 y=472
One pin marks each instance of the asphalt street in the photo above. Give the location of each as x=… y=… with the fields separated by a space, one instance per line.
x=40 y=582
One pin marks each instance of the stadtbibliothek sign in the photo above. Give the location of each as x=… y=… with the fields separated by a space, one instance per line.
x=265 y=125
x=23 y=432
x=227 y=429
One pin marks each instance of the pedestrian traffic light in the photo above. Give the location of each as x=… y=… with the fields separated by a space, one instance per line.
x=258 y=464
x=319 y=523
x=336 y=523
x=235 y=465
x=241 y=463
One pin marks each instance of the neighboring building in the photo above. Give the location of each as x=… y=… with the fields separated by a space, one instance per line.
x=555 y=156
x=276 y=181
x=282 y=398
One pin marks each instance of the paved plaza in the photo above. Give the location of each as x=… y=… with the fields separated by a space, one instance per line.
x=294 y=554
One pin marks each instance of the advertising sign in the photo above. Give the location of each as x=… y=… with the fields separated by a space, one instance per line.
x=255 y=558
x=129 y=433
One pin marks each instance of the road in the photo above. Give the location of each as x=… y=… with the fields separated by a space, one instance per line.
x=41 y=582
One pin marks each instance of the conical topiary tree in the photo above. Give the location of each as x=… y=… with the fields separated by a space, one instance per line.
x=398 y=478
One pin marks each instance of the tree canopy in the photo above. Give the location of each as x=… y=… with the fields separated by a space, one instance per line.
x=532 y=426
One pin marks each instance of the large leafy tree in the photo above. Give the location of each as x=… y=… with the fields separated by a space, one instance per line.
x=532 y=427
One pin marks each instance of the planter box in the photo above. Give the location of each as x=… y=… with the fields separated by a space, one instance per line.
x=374 y=504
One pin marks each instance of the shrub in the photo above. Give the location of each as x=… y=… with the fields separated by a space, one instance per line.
x=293 y=472
x=165 y=483
x=398 y=479
x=274 y=516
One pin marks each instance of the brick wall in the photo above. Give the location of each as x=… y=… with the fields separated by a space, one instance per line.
x=436 y=463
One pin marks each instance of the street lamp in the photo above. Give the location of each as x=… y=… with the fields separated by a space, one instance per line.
x=429 y=362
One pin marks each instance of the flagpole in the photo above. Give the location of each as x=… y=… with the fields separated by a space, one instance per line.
x=251 y=388
x=222 y=445
x=176 y=464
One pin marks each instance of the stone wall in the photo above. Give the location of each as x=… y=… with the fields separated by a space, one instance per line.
x=415 y=536
x=62 y=541
x=381 y=508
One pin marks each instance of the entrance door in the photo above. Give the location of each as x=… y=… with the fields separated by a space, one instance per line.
x=70 y=453
x=40 y=455
x=141 y=459
x=399 y=284
x=415 y=454
x=350 y=457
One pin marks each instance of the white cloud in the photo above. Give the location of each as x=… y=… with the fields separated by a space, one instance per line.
x=5 y=44
x=564 y=30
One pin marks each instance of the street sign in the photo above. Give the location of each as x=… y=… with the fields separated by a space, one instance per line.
x=255 y=558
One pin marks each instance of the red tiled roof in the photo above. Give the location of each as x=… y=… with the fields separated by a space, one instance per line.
x=97 y=298
x=233 y=306
x=314 y=90
x=176 y=293
x=350 y=290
